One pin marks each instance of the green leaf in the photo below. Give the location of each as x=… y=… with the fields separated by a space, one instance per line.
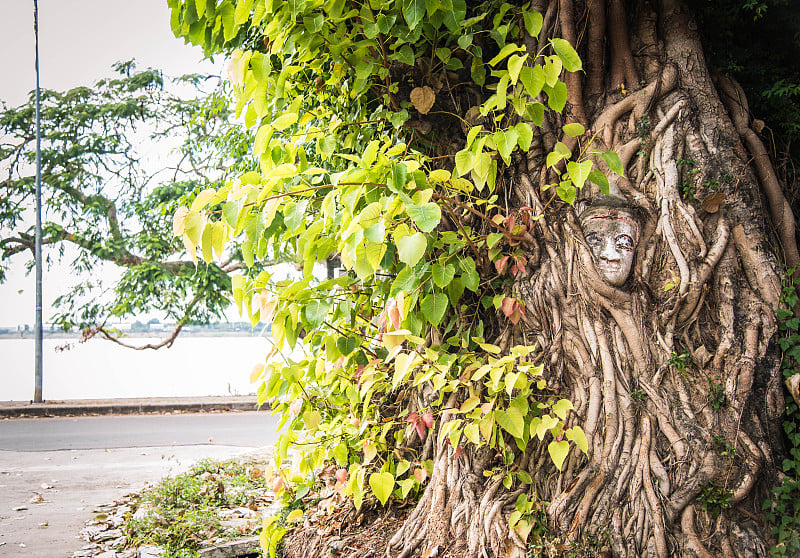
x=600 y=180
x=382 y=485
x=579 y=172
x=524 y=135
x=413 y=12
x=426 y=216
x=369 y=154
x=411 y=248
x=569 y=58
x=347 y=345
x=506 y=141
x=552 y=70
x=566 y=191
x=574 y=129
x=612 y=160
x=512 y=421
x=399 y=177
x=507 y=50
x=202 y=199
x=405 y=54
x=442 y=274
x=577 y=435
x=464 y=161
x=315 y=312
x=533 y=79
x=515 y=64
x=557 y=96
x=558 y=452
x=434 y=307
x=284 y=121
x=561 y=407
x=533 y=22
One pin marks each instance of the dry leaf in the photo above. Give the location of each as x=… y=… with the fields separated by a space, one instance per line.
x=423 y=98
x=793 y=385
x=701 y=356
x=712 y=202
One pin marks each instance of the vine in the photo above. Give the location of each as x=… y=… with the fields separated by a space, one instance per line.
x=783 y=509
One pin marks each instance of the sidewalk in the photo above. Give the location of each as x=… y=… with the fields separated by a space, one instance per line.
x=73 y=407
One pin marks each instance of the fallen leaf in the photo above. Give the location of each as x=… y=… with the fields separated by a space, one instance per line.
x=36 y=498
x=423 y=98
x=712 y=202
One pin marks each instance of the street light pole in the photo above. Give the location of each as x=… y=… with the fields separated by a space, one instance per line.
x=37 y=393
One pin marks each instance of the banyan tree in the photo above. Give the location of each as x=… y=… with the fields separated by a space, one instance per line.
x=561 y=243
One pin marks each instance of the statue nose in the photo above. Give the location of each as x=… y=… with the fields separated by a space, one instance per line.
x=609 y=251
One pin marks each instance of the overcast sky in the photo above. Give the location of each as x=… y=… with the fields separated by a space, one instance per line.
x=79 y=40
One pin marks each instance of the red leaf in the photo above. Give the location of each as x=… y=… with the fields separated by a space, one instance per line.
x=428 y=419
x=501 y=264
x=394 y=313
x=459 y=451
x=511 y=222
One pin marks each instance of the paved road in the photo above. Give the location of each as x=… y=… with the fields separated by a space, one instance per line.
x=253 y=429
x=89 y=461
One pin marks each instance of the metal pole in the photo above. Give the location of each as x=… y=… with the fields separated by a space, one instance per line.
x=37 y=393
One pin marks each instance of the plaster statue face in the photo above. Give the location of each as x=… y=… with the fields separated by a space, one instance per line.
x=612 y=236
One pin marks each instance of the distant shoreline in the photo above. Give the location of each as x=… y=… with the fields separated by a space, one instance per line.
x=131 y=334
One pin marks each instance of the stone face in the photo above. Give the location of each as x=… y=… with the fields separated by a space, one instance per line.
x=612 y=236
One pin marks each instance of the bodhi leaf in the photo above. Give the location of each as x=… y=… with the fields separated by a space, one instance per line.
x=382 y=485
x=512 y=421
x=569 y=58
x=612 y=160
x=425 y=216
x=411 y=248
x=558 y=452
x=434 y=307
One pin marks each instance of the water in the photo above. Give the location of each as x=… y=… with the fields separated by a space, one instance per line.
x=97 y=369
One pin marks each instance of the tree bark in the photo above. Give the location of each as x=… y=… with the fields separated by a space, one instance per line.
x=657 y=480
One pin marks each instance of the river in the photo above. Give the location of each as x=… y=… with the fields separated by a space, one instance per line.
x=97 y=369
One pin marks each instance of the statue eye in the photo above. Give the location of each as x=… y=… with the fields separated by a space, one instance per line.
x=593 y=239
x=624 y=242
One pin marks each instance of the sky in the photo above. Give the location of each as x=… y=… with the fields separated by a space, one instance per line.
x=79 y=40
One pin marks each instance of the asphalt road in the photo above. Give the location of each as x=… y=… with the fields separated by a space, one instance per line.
x=75 y=464
x=254 y=429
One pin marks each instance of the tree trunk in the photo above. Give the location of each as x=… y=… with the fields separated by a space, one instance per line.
x=674 y=374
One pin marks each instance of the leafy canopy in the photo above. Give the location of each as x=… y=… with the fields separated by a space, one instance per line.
x=117 y=159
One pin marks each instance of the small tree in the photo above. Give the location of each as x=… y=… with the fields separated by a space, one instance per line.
x=540 y=355
x=117 y=160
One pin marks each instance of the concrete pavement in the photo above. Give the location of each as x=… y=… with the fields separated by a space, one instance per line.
x=78 y=407
x=51 y=488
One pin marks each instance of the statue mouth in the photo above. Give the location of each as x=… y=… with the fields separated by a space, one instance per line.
x=610 y=267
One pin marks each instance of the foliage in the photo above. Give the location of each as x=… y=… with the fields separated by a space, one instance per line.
x=714 y=498
x=783 y=509
x=107 y=201
x=395 y=350
x=178 y=510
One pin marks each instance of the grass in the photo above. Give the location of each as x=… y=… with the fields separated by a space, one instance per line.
x=182 y=512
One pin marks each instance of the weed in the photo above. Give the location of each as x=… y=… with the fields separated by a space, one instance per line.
x=639 y=394
x=713 y=498
x=680 y=362
x=686 y=185
x=180 y=512
x=642 y=128
x=723 y=447
x=716 y=393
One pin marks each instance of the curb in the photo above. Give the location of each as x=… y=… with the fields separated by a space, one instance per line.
x=126 y=406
